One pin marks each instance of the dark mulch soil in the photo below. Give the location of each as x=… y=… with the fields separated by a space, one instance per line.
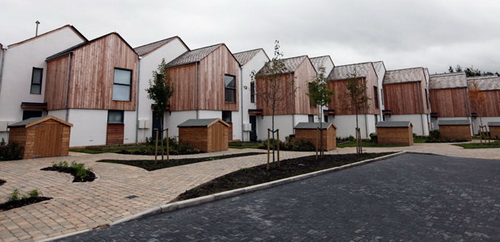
x=2 y=182
x=22 y=202
x=151 y=166
x=260 y=174
x=152 y=152
x=90 y=175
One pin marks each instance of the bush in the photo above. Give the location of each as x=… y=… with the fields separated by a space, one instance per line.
x=15 y=196
x=434 y=135
x=11 y=151
x=292 y=144
x=374 y=137
x=351 y=138
x=78 y=170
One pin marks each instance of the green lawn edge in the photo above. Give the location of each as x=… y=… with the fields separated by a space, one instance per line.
x=495 y=144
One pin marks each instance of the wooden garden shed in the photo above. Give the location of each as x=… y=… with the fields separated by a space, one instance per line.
x=395 y=133
x=310 y=131
x=205 y=134
x=494 y=129
x=455 y=129
x=41 y=137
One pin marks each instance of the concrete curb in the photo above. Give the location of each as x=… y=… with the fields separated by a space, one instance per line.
x=232 y=193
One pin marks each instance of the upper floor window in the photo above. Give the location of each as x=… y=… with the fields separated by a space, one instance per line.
x=229 y=89
x=122 y=85
x=36 y=81
x=252 y=92
x=375 y=96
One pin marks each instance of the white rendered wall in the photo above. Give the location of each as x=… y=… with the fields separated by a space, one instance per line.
x=148 y=64
x=285 y=123
x=476 y=123
x=173 y=119
x=130 y=123
x=418 y=120
x=346 y=125
x=89 y=126
x=255 y=64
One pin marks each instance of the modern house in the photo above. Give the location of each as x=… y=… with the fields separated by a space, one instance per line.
x=448 y=97
x=205 y=83
x=23 y=74
x=251 y=62
x=292 y=101
x=489 y=111
x=150 y=56
x=341 y=111
x=326 y=62
x=380 y=70
x=406 y=97
x=94 y=86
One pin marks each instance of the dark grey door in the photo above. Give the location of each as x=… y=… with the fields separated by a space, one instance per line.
x=156 y=125
x=253 y=133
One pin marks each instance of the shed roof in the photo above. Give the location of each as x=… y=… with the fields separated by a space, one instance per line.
x=305 y=125
x=485 y=83
x=494 y=124
x=291 y=65
x=34 y=121
x=201 y=122
x=357 y=70
x=394 y=124
x=404 y=75
x=454 y=122
x=148 y=48
x=194 y=56
x=448 y=80
x=244 y=57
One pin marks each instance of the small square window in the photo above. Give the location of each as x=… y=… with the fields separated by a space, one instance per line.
x=36 y=81
x=115 y=117
x=122 y=85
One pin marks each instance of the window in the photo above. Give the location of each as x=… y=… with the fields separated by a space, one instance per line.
x=311 y=103
x=115 y=117
x=427 y=98
x=229 y=89
x=31 y=114
x=326 y=118
x=122 y=85
x=36 y=81
x=252 y=92
x=375 y=96
x=310 y=118
x=227 y=117
x=382 y=95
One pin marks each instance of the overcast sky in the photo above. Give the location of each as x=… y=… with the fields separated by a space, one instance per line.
x=402 y=33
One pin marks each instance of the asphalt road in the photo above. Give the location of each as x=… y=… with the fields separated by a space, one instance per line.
x=409 y=197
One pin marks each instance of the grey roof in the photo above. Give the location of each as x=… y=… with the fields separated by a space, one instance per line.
x=393 y=124
x=245 y=56
x=25 y=122
x=320 y=61
x=485 y=83
x=291 y=65
x=379 y=67
x=312 y=125
x=404 y=75
x=448 y=80
x=198 y=122
x=147 y=48
x=193 y=56
x=357 y=70
x=454 y=122
x=494 y=124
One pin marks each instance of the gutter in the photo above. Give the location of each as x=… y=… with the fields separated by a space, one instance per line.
x=68 y=75
x=1 y=66
x=137 y=102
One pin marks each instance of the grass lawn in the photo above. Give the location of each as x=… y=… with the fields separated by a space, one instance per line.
x=365 y=143
x=259 y=174
x=108 y=149
x=151 y=166
x=244 y=145
x=495 y=144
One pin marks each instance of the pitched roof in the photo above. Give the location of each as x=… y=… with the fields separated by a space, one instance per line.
x=357 y=70
x=245 y=56
x=33 y=121
x=70 y=49
x=54 y=30
x=320 y=61
x=404 y=75
x=305 y=125
x=379 y=67
x=201 y=122
x=193 y=56
x=454 y=122
x=448 y=80
x=291 y=65
x=148 y=48
x=485 y=83
x=393 y=124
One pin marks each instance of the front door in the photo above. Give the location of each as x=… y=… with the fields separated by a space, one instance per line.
x=253 y=133
x=156 y=126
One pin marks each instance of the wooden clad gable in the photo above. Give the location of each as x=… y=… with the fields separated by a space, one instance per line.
x=89 y=83
x=303 y=75
x=405 y=91
x=491 y=106
x=451 y=102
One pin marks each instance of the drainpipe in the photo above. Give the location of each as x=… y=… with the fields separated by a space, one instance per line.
x=241 y=102
x=137 y=101
x=68 y=75
x=293 y=96
x=421 y=106
x=1 y=66
x=196 y=93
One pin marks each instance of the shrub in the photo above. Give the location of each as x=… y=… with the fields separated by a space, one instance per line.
x=434 y=135
x=15 y=196
x=11 y=151
x=78 y=170
x=374 y=137
x=298 y=145
x=351 y=138
x=34 y=193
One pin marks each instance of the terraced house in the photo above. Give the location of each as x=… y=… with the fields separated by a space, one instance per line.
x=489 y=111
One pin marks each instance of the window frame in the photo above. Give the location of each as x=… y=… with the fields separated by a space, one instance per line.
x=226 y=88
x=122 y=114
x=33 y=78
x=375 y=98
x=252 y=92
x=121 y=84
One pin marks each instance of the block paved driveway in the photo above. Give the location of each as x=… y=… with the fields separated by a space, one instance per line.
x=415 y=197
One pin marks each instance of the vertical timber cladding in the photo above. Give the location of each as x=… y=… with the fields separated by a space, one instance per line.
x=313 y=135
x=491 y=106
x=114 y=134
x=403 y=98
x=205 y=134
x=303 y=75
x=451 y=102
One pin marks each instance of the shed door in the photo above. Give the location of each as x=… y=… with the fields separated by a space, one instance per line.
x=218 y=139
x=48 y=140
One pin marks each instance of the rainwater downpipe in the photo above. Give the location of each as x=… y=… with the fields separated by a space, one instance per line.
x=196 y=93
x=137 y=103
x=68 y=75
x=241 y=103
x=421 y=107
x=1 y=66
x=292 y=94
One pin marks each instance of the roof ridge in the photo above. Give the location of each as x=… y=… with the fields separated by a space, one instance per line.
x=156 y=42
x=245 y=51
x=404 y=69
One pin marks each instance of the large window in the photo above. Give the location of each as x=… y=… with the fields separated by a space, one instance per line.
x=31 y=114
x=252 y=92
x=115 y=117
x=375 y=96
x=122 y=85
x=229 y=89
x=36 y=81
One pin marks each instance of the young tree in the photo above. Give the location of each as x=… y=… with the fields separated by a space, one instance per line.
x=320 y=96
x=160 y=91
x=478 y=100
x=358 y=100
x=273 y=88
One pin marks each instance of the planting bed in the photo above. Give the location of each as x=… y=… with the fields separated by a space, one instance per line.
x=22 y=202
x=88 y=178
x=2 y=182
